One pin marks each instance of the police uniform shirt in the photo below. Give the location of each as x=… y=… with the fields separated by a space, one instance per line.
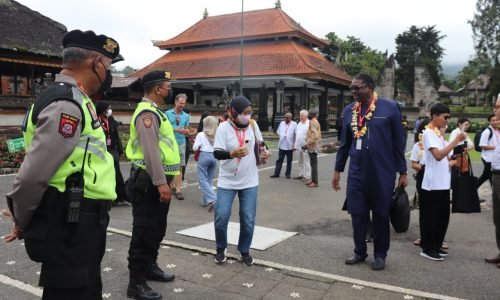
x=147 y=127
x=48 y=150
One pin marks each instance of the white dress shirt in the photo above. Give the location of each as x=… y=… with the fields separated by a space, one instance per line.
x=300 y=134
x=286 y=133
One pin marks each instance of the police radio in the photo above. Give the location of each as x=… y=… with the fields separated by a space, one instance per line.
x=74 y=193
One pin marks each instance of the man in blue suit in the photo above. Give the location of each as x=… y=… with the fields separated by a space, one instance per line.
x=372 y=137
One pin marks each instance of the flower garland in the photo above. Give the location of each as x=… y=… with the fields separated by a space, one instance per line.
x=368 y=115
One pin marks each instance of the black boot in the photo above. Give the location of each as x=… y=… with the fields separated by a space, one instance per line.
x=157 y=274
x=139 y=289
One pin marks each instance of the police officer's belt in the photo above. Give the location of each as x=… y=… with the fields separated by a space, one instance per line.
x=166 y=168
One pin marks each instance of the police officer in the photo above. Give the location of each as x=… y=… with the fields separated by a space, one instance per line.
x=155 y=159
x=62 y=193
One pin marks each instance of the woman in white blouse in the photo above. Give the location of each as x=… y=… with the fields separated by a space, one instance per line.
x=206 y=162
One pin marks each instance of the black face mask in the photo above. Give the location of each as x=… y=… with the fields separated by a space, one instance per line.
x=168 y=99
x=106 y=84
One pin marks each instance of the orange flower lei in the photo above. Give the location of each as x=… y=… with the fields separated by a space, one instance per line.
x=359 y=133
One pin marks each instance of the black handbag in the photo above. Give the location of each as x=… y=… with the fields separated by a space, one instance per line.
x=400 y=210
x=464 y=197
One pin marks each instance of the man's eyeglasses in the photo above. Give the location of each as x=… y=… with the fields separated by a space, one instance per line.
x=356 y=88
x=177 y=121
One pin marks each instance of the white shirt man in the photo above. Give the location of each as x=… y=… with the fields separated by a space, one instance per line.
x=286 y=133
x=300 y=141
x=488 y=142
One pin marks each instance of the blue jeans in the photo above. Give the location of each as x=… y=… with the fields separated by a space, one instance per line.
x=223 y=206
x=206 y=170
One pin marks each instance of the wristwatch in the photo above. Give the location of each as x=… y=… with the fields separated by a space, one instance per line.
x=403 y=173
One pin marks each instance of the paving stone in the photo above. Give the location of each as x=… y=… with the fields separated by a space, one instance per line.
x=260 y=286
x=290 y=291
x=346 y=291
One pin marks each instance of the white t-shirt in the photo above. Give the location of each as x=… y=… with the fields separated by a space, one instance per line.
x=237 y=174
x=485 y=140
x=437 y=174
x=417 y=154
x=300 y=134
x=202 y=143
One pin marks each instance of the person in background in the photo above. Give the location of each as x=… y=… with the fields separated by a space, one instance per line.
x=114 y=145
x=180 y=123
x=463 y=125
x=300 y=141
x=236 y=144
x=406 y=126
x=203 y=116
x=488 y=141
x=189 y=142
x=206 y=163
x=313 y=147
x=286 y=133
x=495 y=170
x=417 y=161
x=338 y=125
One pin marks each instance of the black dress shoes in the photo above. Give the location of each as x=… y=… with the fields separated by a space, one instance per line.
x=274 y=176
x=378 y=264
x=142 y=291
x=354 y=259
x=157 y=274
x=493 y=260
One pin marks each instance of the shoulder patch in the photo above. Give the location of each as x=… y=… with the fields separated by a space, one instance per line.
x=147 y=119
x=67 y=125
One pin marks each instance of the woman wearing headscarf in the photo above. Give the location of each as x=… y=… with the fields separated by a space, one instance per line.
x=203 y=116
x=206 y=163
x=236 y=146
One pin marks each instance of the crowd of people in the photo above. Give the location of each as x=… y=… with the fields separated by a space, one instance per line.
x=70 y=176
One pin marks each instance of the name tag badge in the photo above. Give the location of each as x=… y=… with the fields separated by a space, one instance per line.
x=358 y=144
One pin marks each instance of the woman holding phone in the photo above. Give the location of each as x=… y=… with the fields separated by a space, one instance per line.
x=234 y=146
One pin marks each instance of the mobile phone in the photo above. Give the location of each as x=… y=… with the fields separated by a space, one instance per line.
x=248 y=145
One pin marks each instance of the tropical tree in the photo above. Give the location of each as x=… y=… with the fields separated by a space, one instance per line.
x=422 y=44
x=486 y=32
x=353 y=55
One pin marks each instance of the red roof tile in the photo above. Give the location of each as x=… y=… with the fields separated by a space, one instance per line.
x=286 y=58
x=257 y=24
x=444 y=89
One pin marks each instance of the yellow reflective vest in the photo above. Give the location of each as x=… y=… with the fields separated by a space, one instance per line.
x=99 y=173
x=169 y=149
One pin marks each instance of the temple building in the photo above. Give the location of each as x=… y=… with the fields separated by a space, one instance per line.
x=282 y=70
x=30 y=56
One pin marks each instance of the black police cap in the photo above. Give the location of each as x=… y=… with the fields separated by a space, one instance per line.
x=89 y=40
x=154 y=77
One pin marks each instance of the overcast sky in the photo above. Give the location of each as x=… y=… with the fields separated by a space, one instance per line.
x=377 y=23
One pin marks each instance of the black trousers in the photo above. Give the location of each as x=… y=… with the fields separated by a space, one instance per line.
x=149 y=227
x=486 y=174
x=281 y=158
x=434 y=218
x=70 y=253
x=313 y=158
